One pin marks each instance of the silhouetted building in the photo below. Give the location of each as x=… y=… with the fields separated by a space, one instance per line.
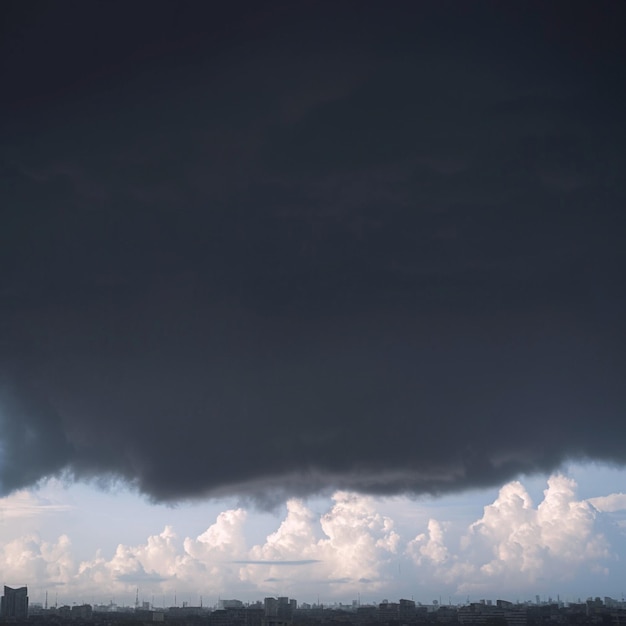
x=271 y=607
x=82 y=611
x=14 y=603
x=278 y=612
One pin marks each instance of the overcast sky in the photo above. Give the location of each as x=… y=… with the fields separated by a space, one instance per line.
x=332 y=252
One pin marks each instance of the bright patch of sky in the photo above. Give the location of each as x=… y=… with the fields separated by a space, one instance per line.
x=564 y=534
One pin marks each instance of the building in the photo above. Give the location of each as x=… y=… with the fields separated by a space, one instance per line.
x=14 y=603
x=271 y=607
x=278 y=612
x=230 y=604
x=388 y=611
x=82 y=611
x=482 y=612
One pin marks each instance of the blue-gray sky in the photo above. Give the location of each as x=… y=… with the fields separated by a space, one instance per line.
x=276 y=250
x=561 y=536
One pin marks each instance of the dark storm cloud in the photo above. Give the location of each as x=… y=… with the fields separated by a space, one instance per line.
x=280 y=250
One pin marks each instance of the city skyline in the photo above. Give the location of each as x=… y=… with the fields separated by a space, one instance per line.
x=283 y=611
x=272 y=605
x=313 y=295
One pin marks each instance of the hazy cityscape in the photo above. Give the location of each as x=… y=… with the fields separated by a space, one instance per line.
x=285 y=611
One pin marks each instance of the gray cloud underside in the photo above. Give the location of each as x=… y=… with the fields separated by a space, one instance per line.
x=300 y=562
x=140 y=577
x=393 y=264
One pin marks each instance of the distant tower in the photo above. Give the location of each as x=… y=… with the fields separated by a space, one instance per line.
x=137 y=599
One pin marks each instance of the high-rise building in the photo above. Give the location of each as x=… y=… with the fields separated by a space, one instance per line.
x=14 y=603
x=271 y=607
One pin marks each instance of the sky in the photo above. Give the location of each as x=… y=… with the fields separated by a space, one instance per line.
x=313 y=296
x=534 y=536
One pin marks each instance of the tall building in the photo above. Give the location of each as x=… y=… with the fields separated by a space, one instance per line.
x=271 y=607
x=14 y=603
x=277 y=612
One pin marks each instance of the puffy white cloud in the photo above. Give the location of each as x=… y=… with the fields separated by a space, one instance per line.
x=28 y=504
x=568 y=525
x=609 y=504
x=29 y=558
x=224 y=539
x=213 y=554
x=295 y=538
x=359 y=539
x=158 y=556
x=349 y=548
x=434 y=560
x=159 y=564
x=429 y=547
x=515 y=544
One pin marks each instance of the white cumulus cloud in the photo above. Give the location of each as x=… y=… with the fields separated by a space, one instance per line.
x=429 y=546
x=516 y=543
x=350 y=548
x=609 y=504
